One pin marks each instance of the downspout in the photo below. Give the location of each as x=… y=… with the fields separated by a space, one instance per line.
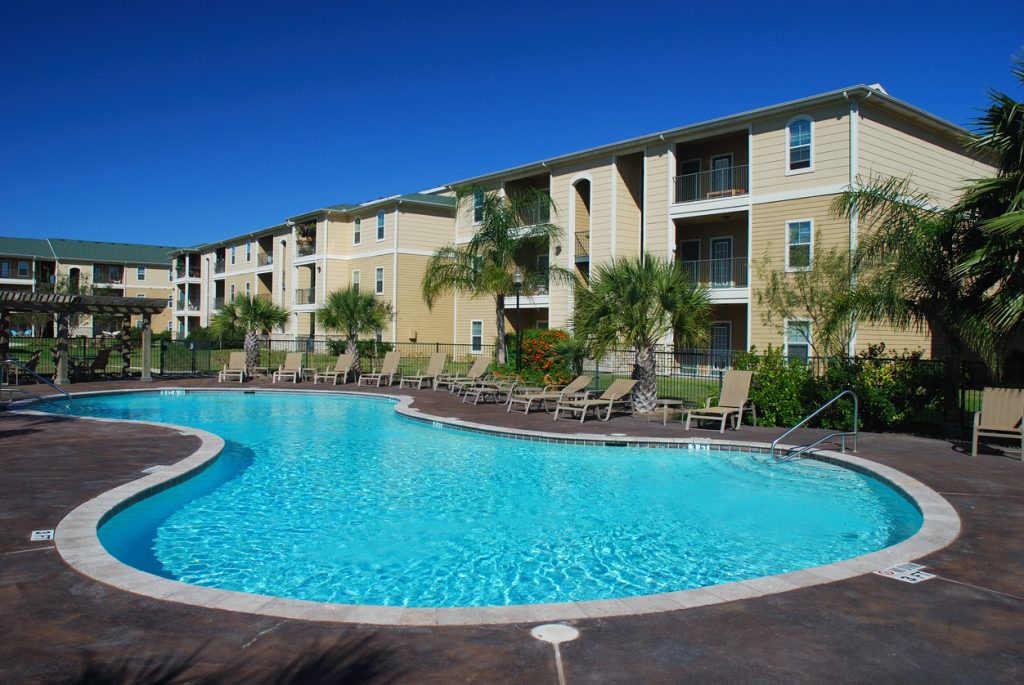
x=394 y=278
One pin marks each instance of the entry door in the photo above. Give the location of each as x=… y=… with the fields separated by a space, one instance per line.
x=689 y=181
x=721 y=175
x=721 y=344
x=721 y=263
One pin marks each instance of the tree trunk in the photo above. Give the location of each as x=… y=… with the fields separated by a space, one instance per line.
x=352 y=348
x=645 y=392
x=252 y=352
x=499 y=326
x=951 y=384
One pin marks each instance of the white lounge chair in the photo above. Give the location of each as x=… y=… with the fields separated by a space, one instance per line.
x=733 y=401
x=388 y=369
x=291 y=368
x=1001 y=416
x=434 y=368
x=234 y=368
x=551 y=393
x=455 y=382
x=342 y=367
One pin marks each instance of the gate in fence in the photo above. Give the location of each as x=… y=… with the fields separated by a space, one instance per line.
x=183 y=358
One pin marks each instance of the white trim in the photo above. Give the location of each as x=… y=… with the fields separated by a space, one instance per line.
x=854 y=219
x=798 y=193
x=481 y=350
x=670 y=225
x=711 y=345
x=380 y=290
x=394 y=280
x=810 y=249
x=711 y=257
x=793 y=120
x=643 y=206
x=614 y=203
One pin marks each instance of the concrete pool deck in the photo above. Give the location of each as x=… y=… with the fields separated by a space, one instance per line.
x=962 y=626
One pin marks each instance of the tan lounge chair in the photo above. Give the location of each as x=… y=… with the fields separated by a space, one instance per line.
x=618 y=393
x=732 y=402
x=456 y=382
x=291 y=368
x=1001 y=416
x=434 y=368
x=342 y=367
x=234 y=368
x=493 y=389
x=551 y=393
x=388 y=369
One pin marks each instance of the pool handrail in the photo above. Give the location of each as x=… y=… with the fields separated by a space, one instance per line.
x=841 y=434
x=24 y=369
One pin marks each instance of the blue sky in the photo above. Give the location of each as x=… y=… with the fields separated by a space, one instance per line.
x=185 y=122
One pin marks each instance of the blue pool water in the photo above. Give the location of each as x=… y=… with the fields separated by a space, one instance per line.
x=338 y=499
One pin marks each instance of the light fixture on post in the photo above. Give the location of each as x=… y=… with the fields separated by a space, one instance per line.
x=517 y=281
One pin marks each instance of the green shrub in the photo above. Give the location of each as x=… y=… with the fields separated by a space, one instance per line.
x=780 y=387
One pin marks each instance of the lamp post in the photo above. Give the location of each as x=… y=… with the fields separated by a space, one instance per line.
x=517 y=281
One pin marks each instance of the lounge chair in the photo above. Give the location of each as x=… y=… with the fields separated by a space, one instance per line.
x=456 y=382
x=291 y=368
x=388 y=369
x=733 y=401
x=617 y=394
x=551 y=393
x=342 y=367
x=434 y=368
x=1001 y=416
x=493 y=389
x=31 y=364
x=235 y=367
x=96 y=367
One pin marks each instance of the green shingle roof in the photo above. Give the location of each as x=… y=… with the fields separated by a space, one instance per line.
x=424 y=199
x=86 y=250
x=24 y=247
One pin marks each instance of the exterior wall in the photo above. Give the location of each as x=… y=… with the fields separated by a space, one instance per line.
x=659 y=232
x=414 y=321
x=628 y=180
x=736 y=316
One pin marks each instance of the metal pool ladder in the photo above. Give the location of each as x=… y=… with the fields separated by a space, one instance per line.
x=11 y=389
x=841 y=435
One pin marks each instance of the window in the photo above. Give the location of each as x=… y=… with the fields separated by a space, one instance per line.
x=5 y=269
x=115 y=274
x=355 y=280
x=170 y=274
x=231 y=292
x=542 y=325
x=232 y=254
x=139 y=324
x=798 y=146
x=798 y=339
x=379 y=333
x=357 y=231
x=476 y=336
x=478 y=206
x=798 y=244
x=378 y=277
x=23 y=269
x=170 y=326
x=380 y=225
x=248 y=290
x=140 y=273
x=170 y=301
x=248 y=251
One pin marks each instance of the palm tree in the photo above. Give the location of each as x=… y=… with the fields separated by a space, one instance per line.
x=511 y=227
x=249 y=316
x=636 y=302
x=353 y=313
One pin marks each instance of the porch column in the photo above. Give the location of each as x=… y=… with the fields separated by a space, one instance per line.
x=147 y=348
x=126 y=346
x=61 y=374
x=5 y=334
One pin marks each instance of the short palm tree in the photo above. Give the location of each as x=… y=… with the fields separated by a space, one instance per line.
x=353 y=313
x=511 y=227
x=251 y=317
x=636 y=302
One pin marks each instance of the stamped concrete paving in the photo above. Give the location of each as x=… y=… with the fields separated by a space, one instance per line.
x=964 y=626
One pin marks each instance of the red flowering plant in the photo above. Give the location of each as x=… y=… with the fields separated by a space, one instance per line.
x=541 y=365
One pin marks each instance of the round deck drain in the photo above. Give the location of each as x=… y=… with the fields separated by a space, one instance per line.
x=555 y=633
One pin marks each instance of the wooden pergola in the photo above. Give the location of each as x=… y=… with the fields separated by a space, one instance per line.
x=61 y=305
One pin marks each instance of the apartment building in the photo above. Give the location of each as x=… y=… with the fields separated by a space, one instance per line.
x=121 y=269
x=719 y=196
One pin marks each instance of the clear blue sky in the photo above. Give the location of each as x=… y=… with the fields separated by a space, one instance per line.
x=181 y=122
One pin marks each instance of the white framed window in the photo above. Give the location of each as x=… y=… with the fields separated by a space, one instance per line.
x=170 y=301
x=115 y=274
x=798 y=339
x=170 y=274
x=355 y=280
x=248 y=290
x=476 y=336
x=478 y=206
x=140 y=273
x=248 y=251
x=799 y=145
x=380 y=225
x=799 y=247
x=378 y=280
x=231 y=292
x=5 y=269
x=357 y=231
x=23 y=269
x=232 y=254
x=170 y=326
x=542 y=325
x=379 y=334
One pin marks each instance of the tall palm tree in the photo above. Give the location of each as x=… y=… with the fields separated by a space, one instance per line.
x=249 y=316
x=353 y=313
x=636 y=302
x=511 y=227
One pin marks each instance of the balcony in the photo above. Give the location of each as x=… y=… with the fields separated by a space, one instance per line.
x=218 y=266
x=305 y=249
x=218 y=303
x=107 y=279
x=726 y=278
x=582 y=246
x=14 y=274
x=264 y=259
x=713 y=188
x=534 y=214
x=305 y=296
x=188 y=306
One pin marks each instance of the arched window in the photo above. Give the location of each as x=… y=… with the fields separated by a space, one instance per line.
x=799 y=144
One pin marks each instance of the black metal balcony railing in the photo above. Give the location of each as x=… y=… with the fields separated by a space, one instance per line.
x=718 y=273
x=713 y=184
x=264 y=259
x=582 y=246
x=305 y=249
x=305 y=296
x=218 y=266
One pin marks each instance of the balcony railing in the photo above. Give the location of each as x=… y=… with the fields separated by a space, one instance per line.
x=305 y=296
x=718 y=273
x=13 y=273
x=305 y=249
x=536 y=213
x=184 y=306
x=264 y=259
x=582 y=246
x=218 y=266
x=713 y=184
x=106 y=279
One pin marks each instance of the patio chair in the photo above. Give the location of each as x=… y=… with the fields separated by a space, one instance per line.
x=342 y=367
x=550 y=393
x=617 y=394
x=388 y=369
x=31 y=364
x=1001 y=416
x=493 y=389
x=96 y=367
x=291 y=368
x=455 y=382
x=235 y=367
x=434 y=368
x=733 y=401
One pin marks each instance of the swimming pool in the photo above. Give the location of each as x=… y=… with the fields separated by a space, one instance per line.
x=335 y=498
